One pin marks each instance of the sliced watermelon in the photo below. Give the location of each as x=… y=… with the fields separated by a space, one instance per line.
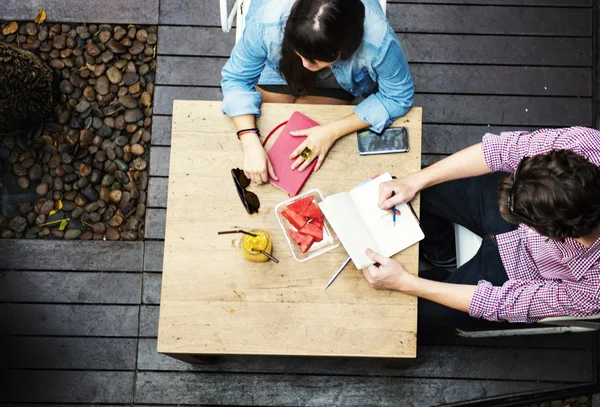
x=301 y=205
x=304 y=241
x=317 y=222
x=313 y=211
x=294 y=218
x=313 y=229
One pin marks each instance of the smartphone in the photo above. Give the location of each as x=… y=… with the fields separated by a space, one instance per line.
x=392 y=140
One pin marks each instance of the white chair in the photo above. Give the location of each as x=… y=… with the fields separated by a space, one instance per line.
x=239 y=10
x=467 y=245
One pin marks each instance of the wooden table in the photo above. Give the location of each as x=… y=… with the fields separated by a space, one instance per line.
x=215 y=302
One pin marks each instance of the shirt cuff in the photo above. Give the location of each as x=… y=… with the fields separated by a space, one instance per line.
x=238 y=103
x=491 y=147
x=372 y=111
x=482 y=303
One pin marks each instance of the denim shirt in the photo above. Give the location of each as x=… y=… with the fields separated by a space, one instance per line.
x=378 y=68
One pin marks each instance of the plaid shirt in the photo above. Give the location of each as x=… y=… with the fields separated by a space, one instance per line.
x=546 y=278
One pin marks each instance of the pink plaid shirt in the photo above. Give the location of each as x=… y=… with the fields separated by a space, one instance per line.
x=546 y=278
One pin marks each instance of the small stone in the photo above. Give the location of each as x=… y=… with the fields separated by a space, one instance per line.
x=107 y=56
x=104 y=36
x=76 y=123
x=42 y=189
x=7 y=234
x=59 y=42
x=85 y=169
x=146 y=99
x=116 y=196
x=82 y=106
x=92 y=207
x=112 y=233
x=87 y=235
x=151 y=39
x=114 y=75
x=66 y=87
x=102 y=85
x=133 y=115
x=116 y=46
x=92 y=49
x=46 y=207
x=140 y=164
x=41 y=219
x=121 y=164
x=108 y=180
x=31 y=29
x=116 y=220
x=129 y=235
x=105 y=132
x=90 y=193
x=72 y=234
x=135 y=88
x=99 y=70
x=18 y=224
x=104 y=194
x=128 y=102
x=80 y=200
x=23 y=182
x=119 y=33
x=77 y=212
x=137 y=149
x=95 y=177
x=89 y=93
x=121 y=141
x=130 y=78
x=140 y=210
x=35 y=172
x=57 y=64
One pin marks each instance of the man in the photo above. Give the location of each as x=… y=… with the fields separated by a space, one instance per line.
x=540 y=225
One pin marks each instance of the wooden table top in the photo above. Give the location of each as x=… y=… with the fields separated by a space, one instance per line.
x=215 y=302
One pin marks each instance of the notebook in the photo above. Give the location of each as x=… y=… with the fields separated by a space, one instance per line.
x=360 y=224
x=291 y=181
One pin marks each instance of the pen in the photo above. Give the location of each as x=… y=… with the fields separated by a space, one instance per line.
x=394 y=209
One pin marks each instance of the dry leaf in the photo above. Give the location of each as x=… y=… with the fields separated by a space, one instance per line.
x=11 y=28
x=41 y=17
x=52 y=212
x=59 y=205
x=63 y=224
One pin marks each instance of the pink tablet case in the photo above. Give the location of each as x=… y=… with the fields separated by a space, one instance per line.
x=291 y=181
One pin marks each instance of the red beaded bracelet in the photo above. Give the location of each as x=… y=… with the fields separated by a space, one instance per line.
x=244 y=131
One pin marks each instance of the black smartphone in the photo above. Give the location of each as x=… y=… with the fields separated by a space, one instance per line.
x=392 y=140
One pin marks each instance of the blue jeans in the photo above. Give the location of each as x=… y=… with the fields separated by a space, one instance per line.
x=472 y=203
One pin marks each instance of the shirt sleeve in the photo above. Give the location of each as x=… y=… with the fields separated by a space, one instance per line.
x=503 y=152
x=242 y=71
x=530 y=301
x=395 y=93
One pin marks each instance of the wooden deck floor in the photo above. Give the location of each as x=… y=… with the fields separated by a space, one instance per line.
x=82 y=316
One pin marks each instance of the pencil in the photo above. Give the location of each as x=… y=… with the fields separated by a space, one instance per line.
x=394 y=210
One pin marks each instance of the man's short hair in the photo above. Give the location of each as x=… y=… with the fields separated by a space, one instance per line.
x=557 y=194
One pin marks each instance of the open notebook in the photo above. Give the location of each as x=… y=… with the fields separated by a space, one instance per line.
x=291 y=181
x=360 y=224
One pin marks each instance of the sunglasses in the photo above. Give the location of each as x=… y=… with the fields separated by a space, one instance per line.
x=249 y=199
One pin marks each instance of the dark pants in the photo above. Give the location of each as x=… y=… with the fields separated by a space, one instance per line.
x=473 y=203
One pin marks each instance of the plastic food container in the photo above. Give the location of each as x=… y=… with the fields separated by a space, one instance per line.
x=330 y=240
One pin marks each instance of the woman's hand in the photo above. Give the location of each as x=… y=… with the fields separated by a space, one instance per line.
x=389 y=275
x=319 y=140
x=257 y=166
x=397 y=191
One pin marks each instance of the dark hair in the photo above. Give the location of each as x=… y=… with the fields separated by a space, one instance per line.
x=319 y=30
x=557 y=194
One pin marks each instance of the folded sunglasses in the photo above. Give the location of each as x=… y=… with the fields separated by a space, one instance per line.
x=249 y=199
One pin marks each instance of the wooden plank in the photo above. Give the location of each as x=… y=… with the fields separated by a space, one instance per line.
x=165 y=95
x=179 y=70
x=49 y=386
x=455 y=19
x=73 y=287
x=423 y=48
x=201 y=13
x=71 y=255
x=97 y=11
x=161 y=130
x=465 y=362
x=183 y=41
x=152 y=282
x=155 y=223
x=500 y=50
x=428 y=78
x=294 y=390
x=72 y=320
x=157 y=192
x=543 y=3
x=448 y=139
x=505 y=110
x=153 y=255
x=502 y=80
x=159 y=161
x=148 y=321
x=72 y=353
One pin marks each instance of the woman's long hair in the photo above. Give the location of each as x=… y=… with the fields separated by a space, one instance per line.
x=319 y=30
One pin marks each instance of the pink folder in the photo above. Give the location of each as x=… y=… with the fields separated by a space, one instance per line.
x=291 y=181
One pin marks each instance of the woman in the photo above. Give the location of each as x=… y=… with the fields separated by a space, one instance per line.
x=318 y=52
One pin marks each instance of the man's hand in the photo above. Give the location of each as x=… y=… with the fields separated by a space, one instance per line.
x=389 y=275
x=397 y=191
